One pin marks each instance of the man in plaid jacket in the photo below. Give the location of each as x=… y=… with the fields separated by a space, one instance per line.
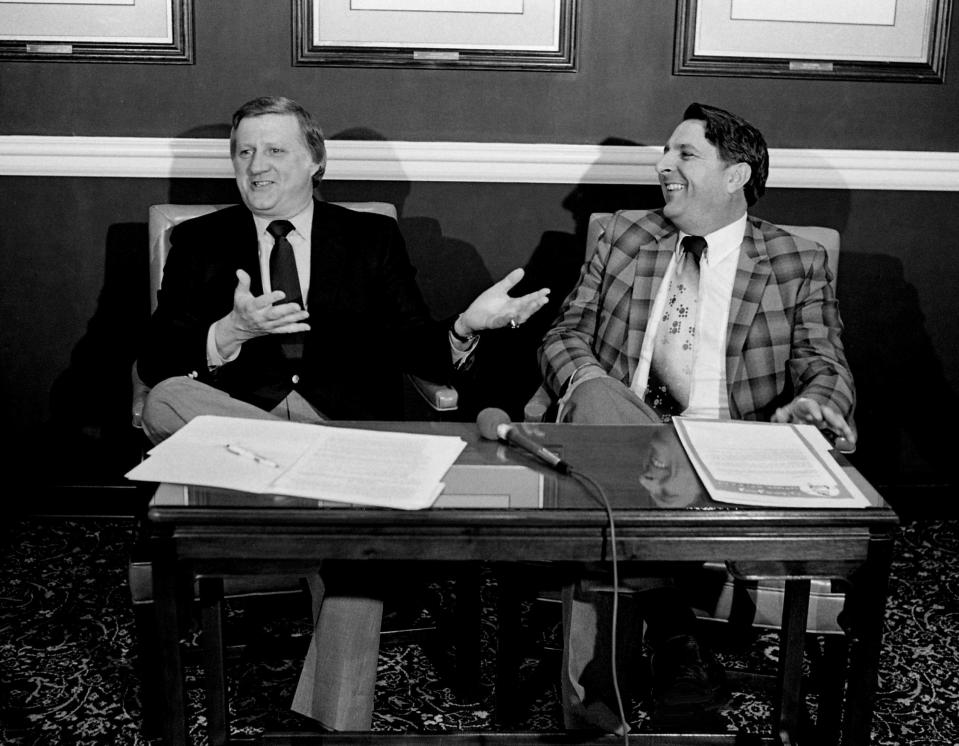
x=767 y=348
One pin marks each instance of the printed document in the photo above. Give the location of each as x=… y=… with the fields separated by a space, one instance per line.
x=765 y=463
x=329 y=463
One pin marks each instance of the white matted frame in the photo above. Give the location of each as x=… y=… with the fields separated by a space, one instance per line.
x=885 y=40
x=470 y=34
x=153 y=31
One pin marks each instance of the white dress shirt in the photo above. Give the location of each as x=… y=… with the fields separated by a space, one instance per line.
x=299 y=239
x=717 y=275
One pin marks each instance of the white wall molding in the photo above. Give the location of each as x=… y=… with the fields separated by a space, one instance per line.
x=156 y=157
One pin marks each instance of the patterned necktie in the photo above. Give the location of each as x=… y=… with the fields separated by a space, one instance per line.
x=283 y=276
x=671 y=369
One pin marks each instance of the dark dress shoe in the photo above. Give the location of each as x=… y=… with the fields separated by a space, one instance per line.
x=686 y=678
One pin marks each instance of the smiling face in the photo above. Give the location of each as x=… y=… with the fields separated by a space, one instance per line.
x=702 y=192
x=273 y=166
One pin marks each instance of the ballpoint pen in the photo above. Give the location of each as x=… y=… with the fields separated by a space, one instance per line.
x=247 y=453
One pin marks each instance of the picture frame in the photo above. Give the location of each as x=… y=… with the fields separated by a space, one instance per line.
x=875 y=40
x=125 y=31
x=456 y=34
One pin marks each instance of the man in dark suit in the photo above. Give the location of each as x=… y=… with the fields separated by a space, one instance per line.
x=219 y=340
x=763 y=327
x=232 y=336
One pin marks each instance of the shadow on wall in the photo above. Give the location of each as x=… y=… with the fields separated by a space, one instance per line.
x=507 y=368
x=90 y=422
x=89 y=425
x=903 y=396
x=450 y=272
x=906 y=406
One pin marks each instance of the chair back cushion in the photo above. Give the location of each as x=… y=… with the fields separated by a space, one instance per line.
x=163 y=218
x=828 y=238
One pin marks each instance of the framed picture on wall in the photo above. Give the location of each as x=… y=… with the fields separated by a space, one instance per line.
x=470 y=34
x=97 y=30
x=890 y=40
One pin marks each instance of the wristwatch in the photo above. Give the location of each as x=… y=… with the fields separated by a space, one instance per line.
x=459 y=337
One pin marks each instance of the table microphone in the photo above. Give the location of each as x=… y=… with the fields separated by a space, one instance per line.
x=494 y=424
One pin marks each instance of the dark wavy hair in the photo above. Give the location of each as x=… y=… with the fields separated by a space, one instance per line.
x=312 y=133
x=737 y=142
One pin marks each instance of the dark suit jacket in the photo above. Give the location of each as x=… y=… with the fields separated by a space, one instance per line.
x=783 y=335
x=368 y=319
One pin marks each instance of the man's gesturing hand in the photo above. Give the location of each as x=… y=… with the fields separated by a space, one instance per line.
x=495 y=308
x=254 y=316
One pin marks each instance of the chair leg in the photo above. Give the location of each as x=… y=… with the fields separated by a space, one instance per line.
x=148 y=669
x=789 y=698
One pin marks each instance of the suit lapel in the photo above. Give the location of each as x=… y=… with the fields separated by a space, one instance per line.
x=650 y=266
x=752 y=276
x=244 y=247
x=326 y=257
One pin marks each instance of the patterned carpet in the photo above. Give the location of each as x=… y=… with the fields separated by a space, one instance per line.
x=67 y=650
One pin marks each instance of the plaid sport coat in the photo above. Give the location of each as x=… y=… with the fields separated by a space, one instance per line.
x=782 y=338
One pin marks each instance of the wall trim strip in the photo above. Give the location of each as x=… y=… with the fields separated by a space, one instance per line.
x=543 y=163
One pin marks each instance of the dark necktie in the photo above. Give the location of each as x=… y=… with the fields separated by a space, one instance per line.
x=283 y=276
x=671 y=368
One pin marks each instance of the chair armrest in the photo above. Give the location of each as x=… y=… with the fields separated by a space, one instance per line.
x=140 y=391
x=440 y=397
x=535 y=410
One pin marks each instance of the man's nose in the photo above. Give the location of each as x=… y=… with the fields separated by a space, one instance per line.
x=664 y=164
x=258 y=163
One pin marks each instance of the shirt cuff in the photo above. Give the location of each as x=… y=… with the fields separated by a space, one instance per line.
x=213 y=358
x=460 y=352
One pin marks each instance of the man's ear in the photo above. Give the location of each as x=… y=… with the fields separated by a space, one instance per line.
x=737 y=176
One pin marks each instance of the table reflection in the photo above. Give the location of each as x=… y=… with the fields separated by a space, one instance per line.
x=639 y=467
x=667 y=473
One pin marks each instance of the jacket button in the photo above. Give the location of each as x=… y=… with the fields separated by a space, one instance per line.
x=295 y=379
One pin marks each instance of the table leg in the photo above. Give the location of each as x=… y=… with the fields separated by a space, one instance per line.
x=507 y=647
x=866 y=606
x=792 y=639
x=467 y=614
x=217 y=712
x=832 y=684
x=166 y=600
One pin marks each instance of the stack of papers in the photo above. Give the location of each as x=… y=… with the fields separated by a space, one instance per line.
x=765 y=463
x=362 y=467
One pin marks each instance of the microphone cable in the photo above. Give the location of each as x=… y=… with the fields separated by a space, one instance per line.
x=588 y=482
x=494 y=424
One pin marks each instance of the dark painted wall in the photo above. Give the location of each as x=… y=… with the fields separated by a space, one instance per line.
x=624 y=87
x=73 y=253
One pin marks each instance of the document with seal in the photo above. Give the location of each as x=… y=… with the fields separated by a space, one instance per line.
x=766 y=463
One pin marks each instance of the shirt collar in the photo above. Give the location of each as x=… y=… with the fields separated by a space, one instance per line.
x=302 y=221
x=720 y=243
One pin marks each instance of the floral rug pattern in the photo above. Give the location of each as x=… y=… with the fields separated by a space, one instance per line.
x=68 y=650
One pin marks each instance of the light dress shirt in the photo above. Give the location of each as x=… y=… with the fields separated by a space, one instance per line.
x=299 y=238
x=717 y=275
